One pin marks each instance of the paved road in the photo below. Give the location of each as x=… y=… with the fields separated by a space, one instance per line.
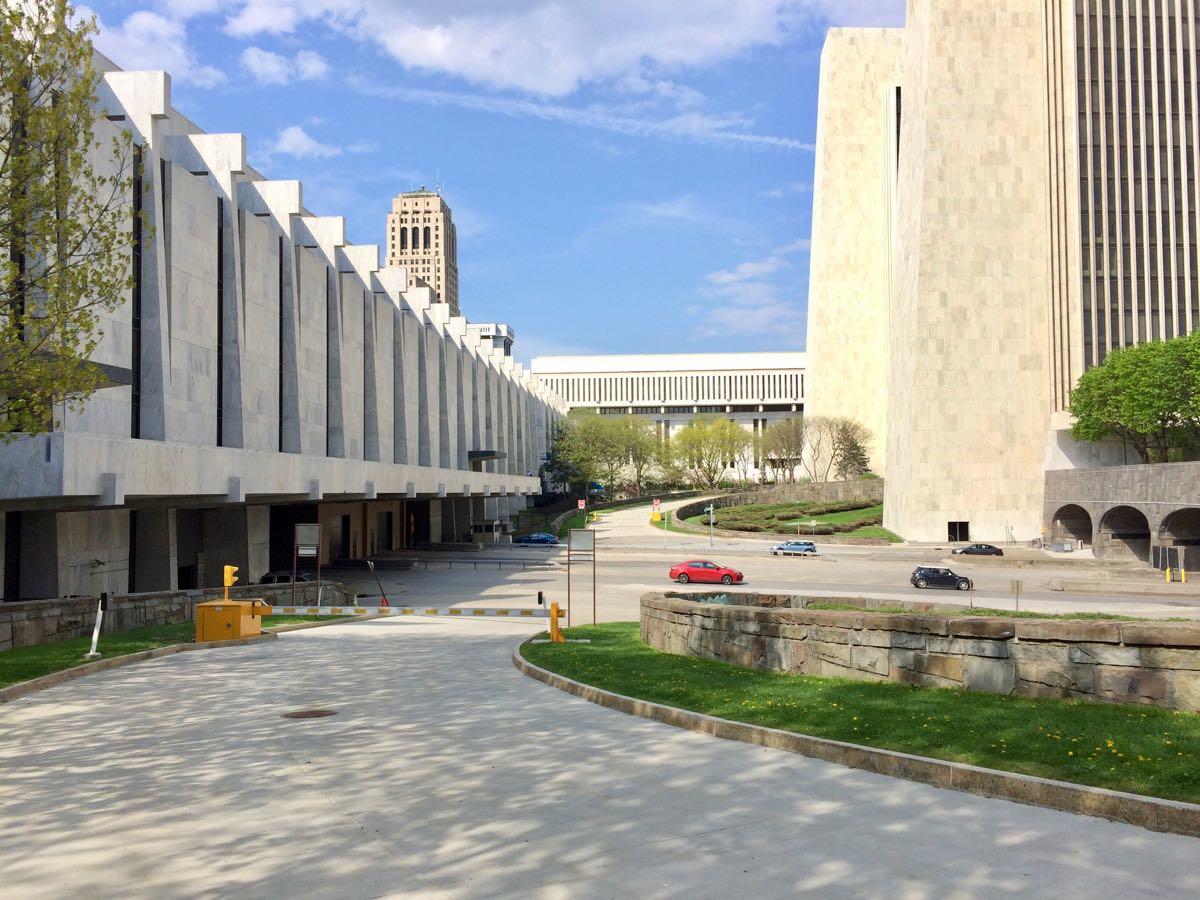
x=447 y=773
x=634 y=558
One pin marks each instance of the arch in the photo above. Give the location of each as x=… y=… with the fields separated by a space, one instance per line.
x=416 y=238
x=427 y=244
x=403 y=238
x=1124 y=534
x=1182 y=529
x=1071 y=523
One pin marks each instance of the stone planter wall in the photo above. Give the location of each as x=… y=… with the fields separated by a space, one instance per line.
x=1149 y=663
x=36 y=622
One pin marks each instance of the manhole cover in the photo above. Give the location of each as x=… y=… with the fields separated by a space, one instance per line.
x=309 y=714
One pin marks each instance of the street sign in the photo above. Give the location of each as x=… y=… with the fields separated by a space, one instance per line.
x=581 y=539
x=581 y=503
x=657 y=503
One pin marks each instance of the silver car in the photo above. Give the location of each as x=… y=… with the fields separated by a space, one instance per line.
x=794 y=548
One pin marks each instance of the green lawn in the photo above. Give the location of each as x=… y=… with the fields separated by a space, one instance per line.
x=24 y=663
x=1143 y=750
x=578 y=520
x=839 y=518
x=982 y=611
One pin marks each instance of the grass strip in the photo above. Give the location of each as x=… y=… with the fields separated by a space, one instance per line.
x=25 y=663
x=981 y=611
x=1142 y=750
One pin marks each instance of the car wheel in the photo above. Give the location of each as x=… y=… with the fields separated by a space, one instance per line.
x=682 y=578
x=964 y=585
x=922 y=583
x=726 y=579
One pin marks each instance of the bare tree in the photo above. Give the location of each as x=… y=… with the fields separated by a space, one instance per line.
x=783 y=447
x=820 y=446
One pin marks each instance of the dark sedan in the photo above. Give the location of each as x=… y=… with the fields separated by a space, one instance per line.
x=931 y=576
x=538 y=537
x=978 y=550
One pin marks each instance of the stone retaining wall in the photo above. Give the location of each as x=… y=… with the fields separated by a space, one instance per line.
x=1153 y=663
x=35 y=622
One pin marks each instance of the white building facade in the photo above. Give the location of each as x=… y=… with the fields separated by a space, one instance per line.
x=672 y=389
x=264 y=372
x=1005 y=191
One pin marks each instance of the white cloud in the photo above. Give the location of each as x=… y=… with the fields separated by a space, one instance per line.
x=310 y=66
x=295 y=141
x=271 y=68
x=147 y=40
x=748 y=300
x=266 y=67
x=686 y=125
x=747 y=271
x=552 y=48
x=792 y=187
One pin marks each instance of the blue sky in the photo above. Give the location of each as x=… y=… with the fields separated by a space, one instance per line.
x=626 y=175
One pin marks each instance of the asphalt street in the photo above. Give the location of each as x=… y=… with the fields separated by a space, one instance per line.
x=633 y=557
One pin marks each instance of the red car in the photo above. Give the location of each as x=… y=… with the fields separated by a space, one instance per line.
x=703 y=570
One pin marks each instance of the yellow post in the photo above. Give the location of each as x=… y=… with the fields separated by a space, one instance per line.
x=1183 y=575
x=230 y=577
x=556 y=635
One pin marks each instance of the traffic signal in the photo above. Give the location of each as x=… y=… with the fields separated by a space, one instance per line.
x=230 y=576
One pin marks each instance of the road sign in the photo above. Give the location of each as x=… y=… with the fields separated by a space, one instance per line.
x=581 y=503
x=657 y=503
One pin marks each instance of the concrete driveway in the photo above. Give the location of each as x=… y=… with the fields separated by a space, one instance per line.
x=446 y=772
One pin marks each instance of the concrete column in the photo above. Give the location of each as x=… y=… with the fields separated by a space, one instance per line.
x=156 y=566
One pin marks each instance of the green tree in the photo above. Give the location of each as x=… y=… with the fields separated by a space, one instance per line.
x=66 y=207
x=1147 y=395
x=705 y=448
x=850 y=449
x=557 y=470
x=641 y=448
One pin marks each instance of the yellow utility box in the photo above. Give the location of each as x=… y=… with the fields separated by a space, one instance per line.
x=224 y=620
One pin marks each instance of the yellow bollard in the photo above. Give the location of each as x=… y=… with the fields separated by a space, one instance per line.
x=1183 y=575
x=556 y=635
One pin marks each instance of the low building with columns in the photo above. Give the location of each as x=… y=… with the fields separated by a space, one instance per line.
x=264 y=372
x=672 y=389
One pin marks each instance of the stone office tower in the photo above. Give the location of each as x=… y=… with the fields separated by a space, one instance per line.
x=421 y=238
x=1005 y=191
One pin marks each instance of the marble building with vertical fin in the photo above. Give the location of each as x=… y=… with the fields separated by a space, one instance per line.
x=1005 y=192
x=263 y=372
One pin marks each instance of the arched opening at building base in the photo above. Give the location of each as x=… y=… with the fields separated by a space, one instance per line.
x=1072 y=524
x=1124 y=534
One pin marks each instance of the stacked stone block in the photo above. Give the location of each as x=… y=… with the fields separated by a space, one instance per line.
x=1149 y=663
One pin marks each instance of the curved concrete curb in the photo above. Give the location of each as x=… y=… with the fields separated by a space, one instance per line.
x=21 y=688
x=1148 y=812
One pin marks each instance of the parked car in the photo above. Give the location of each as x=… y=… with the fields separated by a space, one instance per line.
x=701 y=570
x=794 y=548
x=286 y=578
x=537 y=537
x=932 y=576
x=978 y=550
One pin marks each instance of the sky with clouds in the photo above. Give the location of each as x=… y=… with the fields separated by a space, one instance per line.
x=626 y=175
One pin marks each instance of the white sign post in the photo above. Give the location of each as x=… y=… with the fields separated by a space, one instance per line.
x=308 y=545
x=581 y=540
x=1016 y=590
x=101 y=609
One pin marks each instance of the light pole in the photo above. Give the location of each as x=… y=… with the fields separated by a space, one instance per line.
x=709 y=509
